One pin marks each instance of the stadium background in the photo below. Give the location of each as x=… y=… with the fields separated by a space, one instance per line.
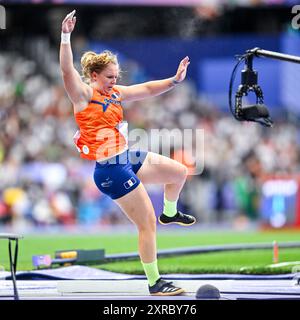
x=44 y=183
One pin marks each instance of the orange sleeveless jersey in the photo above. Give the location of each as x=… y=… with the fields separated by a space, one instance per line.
x=99 y=135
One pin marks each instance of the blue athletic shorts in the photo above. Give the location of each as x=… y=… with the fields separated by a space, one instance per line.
x=116 y=176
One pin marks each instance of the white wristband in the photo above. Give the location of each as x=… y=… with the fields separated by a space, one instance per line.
x=65 y=37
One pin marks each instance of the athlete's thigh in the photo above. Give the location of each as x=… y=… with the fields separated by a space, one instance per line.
x=158 y=169
x=137 y=206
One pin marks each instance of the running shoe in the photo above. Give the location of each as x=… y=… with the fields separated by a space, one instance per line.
x=179 y=218
x=164 y=288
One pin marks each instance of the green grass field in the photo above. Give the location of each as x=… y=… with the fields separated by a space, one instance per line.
x=252 y=261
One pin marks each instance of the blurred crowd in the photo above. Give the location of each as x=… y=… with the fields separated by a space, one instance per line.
x=45 y=182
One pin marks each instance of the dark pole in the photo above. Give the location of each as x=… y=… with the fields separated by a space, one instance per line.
x=274 y=55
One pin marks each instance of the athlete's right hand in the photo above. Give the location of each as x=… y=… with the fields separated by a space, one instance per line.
x=69 y=22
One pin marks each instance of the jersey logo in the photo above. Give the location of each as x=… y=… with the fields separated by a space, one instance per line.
x=115 y=95
x=104 y=105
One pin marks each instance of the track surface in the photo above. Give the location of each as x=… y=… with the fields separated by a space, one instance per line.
x=131 y=289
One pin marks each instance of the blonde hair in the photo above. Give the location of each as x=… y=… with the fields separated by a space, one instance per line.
x=91 y=61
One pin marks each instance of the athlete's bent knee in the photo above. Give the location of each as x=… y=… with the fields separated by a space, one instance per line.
x=148 y=223
x=182 y=172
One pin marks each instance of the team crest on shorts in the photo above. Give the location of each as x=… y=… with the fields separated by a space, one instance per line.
x=129 y=183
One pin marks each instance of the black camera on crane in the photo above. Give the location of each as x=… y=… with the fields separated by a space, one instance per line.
x=256 y=112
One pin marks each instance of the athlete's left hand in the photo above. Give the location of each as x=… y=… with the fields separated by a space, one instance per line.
x=182 y=69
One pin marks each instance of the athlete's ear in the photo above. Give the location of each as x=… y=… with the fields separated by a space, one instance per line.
x=94 y=76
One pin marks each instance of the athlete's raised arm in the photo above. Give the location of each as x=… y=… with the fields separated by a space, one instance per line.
x=78 y=91
x=154 y=88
